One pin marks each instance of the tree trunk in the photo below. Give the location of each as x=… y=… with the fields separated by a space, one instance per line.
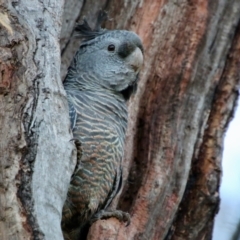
x=36 y=156
x=186 y=97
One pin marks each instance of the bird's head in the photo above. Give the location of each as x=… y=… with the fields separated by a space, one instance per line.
x=108 y=59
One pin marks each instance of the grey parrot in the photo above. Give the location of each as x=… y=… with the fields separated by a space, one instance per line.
x=101 y=78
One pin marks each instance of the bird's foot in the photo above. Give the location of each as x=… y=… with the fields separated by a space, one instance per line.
x=105 y=214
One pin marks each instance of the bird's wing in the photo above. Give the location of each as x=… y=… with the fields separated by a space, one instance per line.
x=116 y=187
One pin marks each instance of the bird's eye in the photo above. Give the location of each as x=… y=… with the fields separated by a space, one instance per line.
x=111 y=48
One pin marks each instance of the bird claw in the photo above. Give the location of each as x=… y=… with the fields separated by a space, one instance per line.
x=104 y=214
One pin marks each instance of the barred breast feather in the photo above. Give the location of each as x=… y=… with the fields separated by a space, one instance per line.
x=100 y=127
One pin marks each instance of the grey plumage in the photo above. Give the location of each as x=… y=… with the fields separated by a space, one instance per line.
x=100 y=79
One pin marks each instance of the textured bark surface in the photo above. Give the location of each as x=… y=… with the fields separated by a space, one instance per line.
x=186 y=97
x=35 y=152
x=185 y=100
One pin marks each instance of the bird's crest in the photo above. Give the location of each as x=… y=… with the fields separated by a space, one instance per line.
x=85 y=32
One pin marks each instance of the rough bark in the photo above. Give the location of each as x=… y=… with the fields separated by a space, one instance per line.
x=35 y=152
x=185 y=100
x=186 y=97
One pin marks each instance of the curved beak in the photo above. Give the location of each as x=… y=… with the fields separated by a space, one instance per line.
x=135 y=59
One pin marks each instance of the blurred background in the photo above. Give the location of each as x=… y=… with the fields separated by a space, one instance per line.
x=227 y=222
